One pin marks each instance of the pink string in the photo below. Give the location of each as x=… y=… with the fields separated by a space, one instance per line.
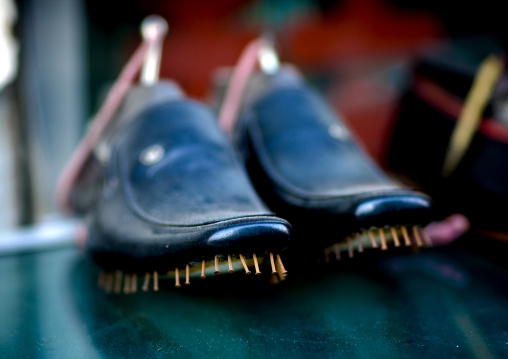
x=447 y=230
x=243 y=69
x=241 y=73
x=100 y=122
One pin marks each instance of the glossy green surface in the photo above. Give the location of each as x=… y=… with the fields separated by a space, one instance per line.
x=442 y=303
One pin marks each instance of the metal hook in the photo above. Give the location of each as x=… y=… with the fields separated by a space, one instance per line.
x=153 y=30
x=268 y=58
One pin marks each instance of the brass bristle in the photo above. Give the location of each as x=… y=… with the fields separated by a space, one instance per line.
x=118 y=282
x=372 y=239
x=350 y=247
x=177 y=278
x=242 y=259
x=272 y=262
x=134 y=283
x=216 y=266
x=146 y=282
x=279 y=262
x=383 y=239
x=256 y=264
x=203 y=264
x=127 y=284
x=281 y=271
x=155 y=281
x=230 y=264
x=395 y=237
x=108 y=282
x=421 y=238
x=358 y=239
x=407 y=241
x=187 y=274
x=418 y=240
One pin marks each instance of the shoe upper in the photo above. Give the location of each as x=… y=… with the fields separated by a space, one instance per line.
x=309 y=168
x=171 y=188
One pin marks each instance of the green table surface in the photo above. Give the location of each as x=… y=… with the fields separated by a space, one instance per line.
x=440 y=302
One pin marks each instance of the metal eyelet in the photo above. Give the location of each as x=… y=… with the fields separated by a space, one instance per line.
x=152 y=155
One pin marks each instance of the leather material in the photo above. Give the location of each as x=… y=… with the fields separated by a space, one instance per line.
x=195 y=202
x=199 y=179
x=294 y=131
x=308 y=168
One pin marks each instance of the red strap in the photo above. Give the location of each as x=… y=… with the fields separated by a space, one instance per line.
x=451 y=105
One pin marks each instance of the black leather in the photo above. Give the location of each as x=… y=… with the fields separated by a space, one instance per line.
x=308 y=168
x=193 y=204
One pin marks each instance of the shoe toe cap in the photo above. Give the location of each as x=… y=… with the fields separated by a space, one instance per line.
x=259 y=236
x=402 y=209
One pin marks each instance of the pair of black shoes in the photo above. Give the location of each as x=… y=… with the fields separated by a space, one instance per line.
x=166 y=194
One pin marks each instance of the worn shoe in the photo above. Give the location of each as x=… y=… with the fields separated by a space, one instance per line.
x=164 y=193
x=309 y=169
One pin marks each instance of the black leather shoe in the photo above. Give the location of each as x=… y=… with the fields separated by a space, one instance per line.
x=171 y=193
x=309 y=169
x=164 y=190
